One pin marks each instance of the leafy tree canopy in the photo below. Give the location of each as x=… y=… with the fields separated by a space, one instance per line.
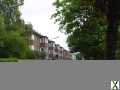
x=13 y=30
x=91 y=26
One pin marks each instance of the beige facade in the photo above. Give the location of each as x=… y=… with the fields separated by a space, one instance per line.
x=53 y=51
x=67 y=55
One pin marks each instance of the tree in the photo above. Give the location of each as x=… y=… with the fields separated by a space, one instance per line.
x=13 y=31
x=90 y=38
x=85 y=29
x=111 y=10
x=12 y=44
x=75 y=13
x=11 y=14
x=36 y=55
x=42 y=55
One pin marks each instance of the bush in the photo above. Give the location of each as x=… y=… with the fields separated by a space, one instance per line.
x=8 y=60
x=12 y=44
x=35 y=55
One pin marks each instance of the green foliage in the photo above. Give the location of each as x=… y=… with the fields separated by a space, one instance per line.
x=35 y=55
x=91 y=26
x=42 y=55
x=39 y=55
x=89 y=39
x=14 y=33
x=2 y=25
x=10 y=59
x=12 y=44
x=11 y=14
x=83 y=25
x=78 y=56
x=30 y=54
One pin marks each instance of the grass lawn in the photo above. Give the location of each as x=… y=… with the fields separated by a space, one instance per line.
x=8 y=60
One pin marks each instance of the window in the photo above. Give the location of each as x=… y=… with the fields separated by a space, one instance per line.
x=43 y=40
x=39 y=49
x=32 y=47
x=33 y=37
x=40 y=40
x=42 y=49
x=46 y=40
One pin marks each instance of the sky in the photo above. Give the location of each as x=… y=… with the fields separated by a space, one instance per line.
x=38 y=13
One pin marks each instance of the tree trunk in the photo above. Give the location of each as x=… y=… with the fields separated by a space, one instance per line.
x=111 y=37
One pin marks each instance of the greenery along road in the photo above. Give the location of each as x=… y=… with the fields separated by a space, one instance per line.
x=92 y=26
x=14 y=33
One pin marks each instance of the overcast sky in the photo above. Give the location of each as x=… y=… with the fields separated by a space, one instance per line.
x=38 y=12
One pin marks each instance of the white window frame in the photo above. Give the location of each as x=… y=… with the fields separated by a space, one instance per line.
x=32 y=47
x=33 y=37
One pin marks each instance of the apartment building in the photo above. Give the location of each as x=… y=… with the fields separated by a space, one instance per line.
x=35 y=41
x=53 y=51
x=67 y=55
x=61 y=52
x=39 y=43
